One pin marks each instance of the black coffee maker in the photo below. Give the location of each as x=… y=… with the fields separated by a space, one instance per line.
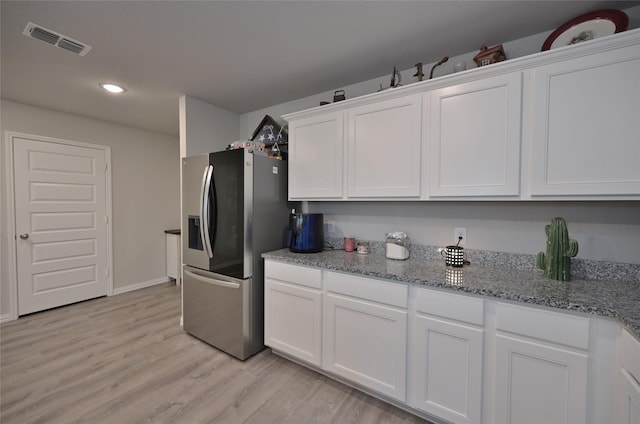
x=306 y=232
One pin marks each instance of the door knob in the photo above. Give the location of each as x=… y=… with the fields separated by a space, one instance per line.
x=24 y=236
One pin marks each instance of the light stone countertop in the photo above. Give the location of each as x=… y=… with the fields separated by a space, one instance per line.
x=608 y=298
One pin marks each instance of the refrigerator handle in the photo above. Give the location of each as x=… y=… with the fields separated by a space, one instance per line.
x=204 y=210
x=204 y=279
x=214 y=200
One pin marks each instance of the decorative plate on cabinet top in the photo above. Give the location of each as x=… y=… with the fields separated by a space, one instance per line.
x=586 y=27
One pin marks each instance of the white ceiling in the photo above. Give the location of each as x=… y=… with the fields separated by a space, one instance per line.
x=243 y=55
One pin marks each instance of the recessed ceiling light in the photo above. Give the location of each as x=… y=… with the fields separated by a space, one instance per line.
x=112 y=88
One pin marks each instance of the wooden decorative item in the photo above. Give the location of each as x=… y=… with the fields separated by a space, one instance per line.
x=556 y=262
x=269 y=132
x=270 y=138
x=488 y=56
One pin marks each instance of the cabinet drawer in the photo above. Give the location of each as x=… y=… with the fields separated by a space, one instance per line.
x=460 y=308
x=393 y=294
x=545 y=325
x=296 y=274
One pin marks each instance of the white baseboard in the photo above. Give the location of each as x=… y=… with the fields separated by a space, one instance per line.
x=11 y=317
x=141 y=285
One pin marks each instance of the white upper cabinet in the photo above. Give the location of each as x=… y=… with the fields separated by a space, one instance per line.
x=472 y=132
x=561 y=124
x=383 y=149
x=586 y=126
x=316 y=157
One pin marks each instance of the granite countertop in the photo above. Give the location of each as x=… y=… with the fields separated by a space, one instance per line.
x=608 y=298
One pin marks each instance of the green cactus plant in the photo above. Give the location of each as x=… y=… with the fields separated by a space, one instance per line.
x=556 y=263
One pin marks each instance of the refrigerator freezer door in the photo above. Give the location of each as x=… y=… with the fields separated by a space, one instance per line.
x=216 y=310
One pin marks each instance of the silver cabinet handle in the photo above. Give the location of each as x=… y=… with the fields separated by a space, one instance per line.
x=24 y=236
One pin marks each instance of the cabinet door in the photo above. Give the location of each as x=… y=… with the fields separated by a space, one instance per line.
x=585 y=126
x=473 y=138
x=293 y=320
x=628 y=408
x=366 y=343
x=316 y=150
x=383 y=152
x=446 y=369
x=539 y=383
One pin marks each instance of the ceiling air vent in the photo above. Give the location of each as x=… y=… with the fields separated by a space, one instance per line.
x=43 y=34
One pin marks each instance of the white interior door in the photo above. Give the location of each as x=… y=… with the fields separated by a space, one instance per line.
x=60 y=217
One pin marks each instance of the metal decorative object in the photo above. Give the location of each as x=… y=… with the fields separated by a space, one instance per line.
x=419 y=72
x=396 y=80
x=556 y=263
x=443 y=60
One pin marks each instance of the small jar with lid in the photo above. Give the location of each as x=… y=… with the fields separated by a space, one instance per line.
x=397 y=246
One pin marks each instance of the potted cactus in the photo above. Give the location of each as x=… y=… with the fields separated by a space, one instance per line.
x=556 y=263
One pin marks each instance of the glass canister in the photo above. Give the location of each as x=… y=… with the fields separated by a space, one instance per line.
x=397 y=246
x=349 y=244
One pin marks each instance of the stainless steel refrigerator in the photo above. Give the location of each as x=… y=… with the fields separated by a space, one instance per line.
x=234 y=208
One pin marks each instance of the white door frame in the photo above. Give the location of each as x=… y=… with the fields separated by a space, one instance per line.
x=12 y=244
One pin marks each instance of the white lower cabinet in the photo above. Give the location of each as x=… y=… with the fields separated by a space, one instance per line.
x=453 y=357
x=365 y=332
x=293 y=311
x=446 y=360
x=541 y=366
x=173 y=256
x=627 y=408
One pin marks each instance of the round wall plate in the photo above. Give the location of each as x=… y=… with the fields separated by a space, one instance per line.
x=587 y=27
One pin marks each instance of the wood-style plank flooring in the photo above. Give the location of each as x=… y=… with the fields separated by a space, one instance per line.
x=125 y=359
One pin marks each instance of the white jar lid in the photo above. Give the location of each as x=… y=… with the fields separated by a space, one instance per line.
x=397 y=235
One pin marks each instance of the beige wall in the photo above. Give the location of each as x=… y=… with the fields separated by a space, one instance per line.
x=607 y=231
x=145 y=188
x=205 y=128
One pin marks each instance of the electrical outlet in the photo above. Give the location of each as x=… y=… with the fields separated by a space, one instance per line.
x=331 y=227
x=460 y=232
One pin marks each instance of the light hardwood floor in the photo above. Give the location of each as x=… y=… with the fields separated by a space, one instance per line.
x=125 y=359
